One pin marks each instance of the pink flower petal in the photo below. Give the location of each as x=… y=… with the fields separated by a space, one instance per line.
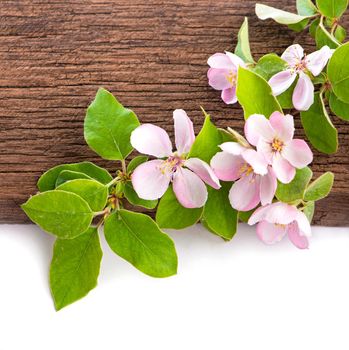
x=229 y=95
x=152 y=140
x=280 y=82
x=256 y=161
x=284 y=171
x=220 y=61
x=244 y=194
x=283 y=125
x=281 y=213
x=204 y=171
x=149 y=181
x=227 y=166
x=184 y=131
x=299 y=241
x=232 y=148
x=258 y=215
x=293 y=54
x=264 y=147
x=268 y=187
x=218 y=78
x=189 y=189
x=298 y=153
x=303 y=94
x=303 y=224
x=257 y=126
x=270 y=233
x=317 y=60
x=235 y=59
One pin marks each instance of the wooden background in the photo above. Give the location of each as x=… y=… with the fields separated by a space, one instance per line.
x=54 y=54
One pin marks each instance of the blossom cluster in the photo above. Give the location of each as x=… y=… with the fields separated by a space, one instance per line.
x=255 y=164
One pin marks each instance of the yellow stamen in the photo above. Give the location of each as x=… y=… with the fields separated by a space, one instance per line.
x=231 y=78
x=277 y=145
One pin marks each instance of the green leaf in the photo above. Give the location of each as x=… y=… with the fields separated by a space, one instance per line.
x=48 y=180
x=206 y=143
x=340 y=33
x=255 y=94
x=218 y=214
x=298 y=27
x=135 y=162
x=320 y=188
x=170 y=213
x=283 y=17
x=108 y=127
x=245 y=215
x=61 y=213
x=68 y=175
x=243 y=46
x=338 y=72
x=306 y=8
x=332 y=8
x=93 y=192
x=75 y=267
x=270 y=64
x=133 y=198
x=309 y=210
x=137 y=238
x=323 y=37
x=319 y=128
x=313 y=27
x=339 y=108
x=295 y=189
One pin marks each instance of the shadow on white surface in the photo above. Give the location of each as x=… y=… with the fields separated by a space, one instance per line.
x=239 y=294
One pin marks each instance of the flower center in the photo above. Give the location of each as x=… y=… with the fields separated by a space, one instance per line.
x=301 y=65
x=245 y=170
x=171 y=164
x=277 y=145
x=231 y=78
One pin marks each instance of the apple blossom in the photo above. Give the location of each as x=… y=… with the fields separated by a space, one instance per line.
x=278 y=219
x=152 y=178
x=255 y=180
x=274 y=139
x=300 y=64
x=223 y=74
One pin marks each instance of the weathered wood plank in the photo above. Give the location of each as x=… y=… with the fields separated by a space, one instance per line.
x=150 y=54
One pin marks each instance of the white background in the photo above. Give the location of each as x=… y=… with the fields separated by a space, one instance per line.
x=237 y=295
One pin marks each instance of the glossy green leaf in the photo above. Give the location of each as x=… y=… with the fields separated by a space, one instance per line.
x=332 y=8
x=338 y=72
x=135 y=162
x=68 y=175
x=320 y=188
x=319 y=128
x=243 y=45
x=170 y=213
x=298 y=27
x=283 y=17
x=48 y=180
x=295 y=189
x=306 y=8
x=61 y=213
x=309 y=210
x=206 y=143
x=133 y=198
x=245 y=215
x=75 y=267
x=137 y=238
x=108 y=127
x=339 y=108
x=218 y=214
x=313 y=27
x=323 y=37
x=92 y=191
x=255 y=94
x=340 y=33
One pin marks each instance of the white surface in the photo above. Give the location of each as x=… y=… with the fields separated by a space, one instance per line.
x=238 y=295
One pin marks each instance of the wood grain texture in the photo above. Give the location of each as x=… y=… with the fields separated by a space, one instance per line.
x=151 y=54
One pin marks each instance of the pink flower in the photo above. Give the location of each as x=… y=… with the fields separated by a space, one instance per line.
x=152 y=178
x=223 y=74
x=278 y=219
x=300 y=64
x=274 y=139
x=255 y=181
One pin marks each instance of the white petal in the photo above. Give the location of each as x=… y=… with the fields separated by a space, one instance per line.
x=184 y=131
x=293 y=54
x=204 y=171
